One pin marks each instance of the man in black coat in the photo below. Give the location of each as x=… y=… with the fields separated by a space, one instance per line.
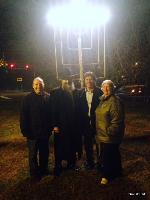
x=88 y=102
x=35 y=125
x=63 y=121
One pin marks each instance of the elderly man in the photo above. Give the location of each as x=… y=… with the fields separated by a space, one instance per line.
x=35 y=126
x=63 y=126
x=88 y=102
x=110 y=130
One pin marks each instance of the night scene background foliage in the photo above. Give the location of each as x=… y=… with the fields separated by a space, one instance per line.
x=26 y=39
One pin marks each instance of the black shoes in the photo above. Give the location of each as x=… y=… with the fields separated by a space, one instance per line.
x=89 y=166
x=99 y=167
x=44 y=173
x=35 y=179
x=70 y=167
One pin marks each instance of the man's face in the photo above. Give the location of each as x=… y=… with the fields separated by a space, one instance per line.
x=89 y=82
x=65 y=84
x=38 y=86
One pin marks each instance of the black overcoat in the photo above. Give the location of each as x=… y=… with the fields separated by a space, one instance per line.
x=63 y=117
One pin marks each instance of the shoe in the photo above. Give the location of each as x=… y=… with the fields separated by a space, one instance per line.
x=77 y=169
x=70 y=167
x=99 y=167
x=104 y=181
x=45 y=173
x=89 y=166
x=35 y=179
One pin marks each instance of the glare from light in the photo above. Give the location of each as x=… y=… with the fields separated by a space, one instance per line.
x=133 y=91
x=78 y=15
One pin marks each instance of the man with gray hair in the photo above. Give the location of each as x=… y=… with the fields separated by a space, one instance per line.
x=35 y=124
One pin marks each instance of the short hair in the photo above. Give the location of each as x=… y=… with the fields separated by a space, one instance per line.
x=89 y=74
x=109 y=82
x=39 y=79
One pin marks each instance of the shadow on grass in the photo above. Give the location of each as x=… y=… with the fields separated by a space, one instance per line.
x=137 y=146
x=74 y=186
x=140 y=138
x=13 y=144
x=84 y=185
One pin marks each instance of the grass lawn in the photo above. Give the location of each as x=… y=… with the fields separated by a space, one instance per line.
x=82 y=185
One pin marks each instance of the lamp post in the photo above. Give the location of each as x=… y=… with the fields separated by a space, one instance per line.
x=80 y=59
x=104 y=50
x=75 y=17
x=55 y=56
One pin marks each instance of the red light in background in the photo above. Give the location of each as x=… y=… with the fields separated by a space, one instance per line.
x=12 y=66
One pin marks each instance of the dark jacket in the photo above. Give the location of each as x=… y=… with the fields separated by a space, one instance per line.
x=63 y=117
x=110 y=120
x=62 y=110
x=35 y=119
x=85 y=120
x=77 y=137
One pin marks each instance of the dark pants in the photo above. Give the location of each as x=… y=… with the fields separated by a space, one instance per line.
x=88 y=140
x=58 y=152
x=110 y=160
x=63 y=150
x=38 y=156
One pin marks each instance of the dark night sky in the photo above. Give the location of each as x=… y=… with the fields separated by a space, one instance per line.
x=24 y=35
x=26 y=38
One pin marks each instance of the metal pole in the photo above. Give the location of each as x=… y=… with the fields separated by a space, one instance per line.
x=80 y=59
x=104 y=51
x=55 y=56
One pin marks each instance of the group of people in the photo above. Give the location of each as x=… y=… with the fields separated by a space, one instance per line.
x=77 y=118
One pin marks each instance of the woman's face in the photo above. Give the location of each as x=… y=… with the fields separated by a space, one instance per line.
x=107 y=89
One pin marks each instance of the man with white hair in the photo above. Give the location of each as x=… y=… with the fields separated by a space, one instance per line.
x=35 y=126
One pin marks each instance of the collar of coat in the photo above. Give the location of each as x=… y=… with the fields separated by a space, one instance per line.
x=104 y=98
x=41 y=94
x=86 y=90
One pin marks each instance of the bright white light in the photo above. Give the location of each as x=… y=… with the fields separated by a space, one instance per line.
x=78 y=15
x=133 y=90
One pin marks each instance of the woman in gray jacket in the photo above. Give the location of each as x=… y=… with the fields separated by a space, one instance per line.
x=110 y=130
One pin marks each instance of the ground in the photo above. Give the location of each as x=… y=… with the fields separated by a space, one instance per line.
x=82 y=185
